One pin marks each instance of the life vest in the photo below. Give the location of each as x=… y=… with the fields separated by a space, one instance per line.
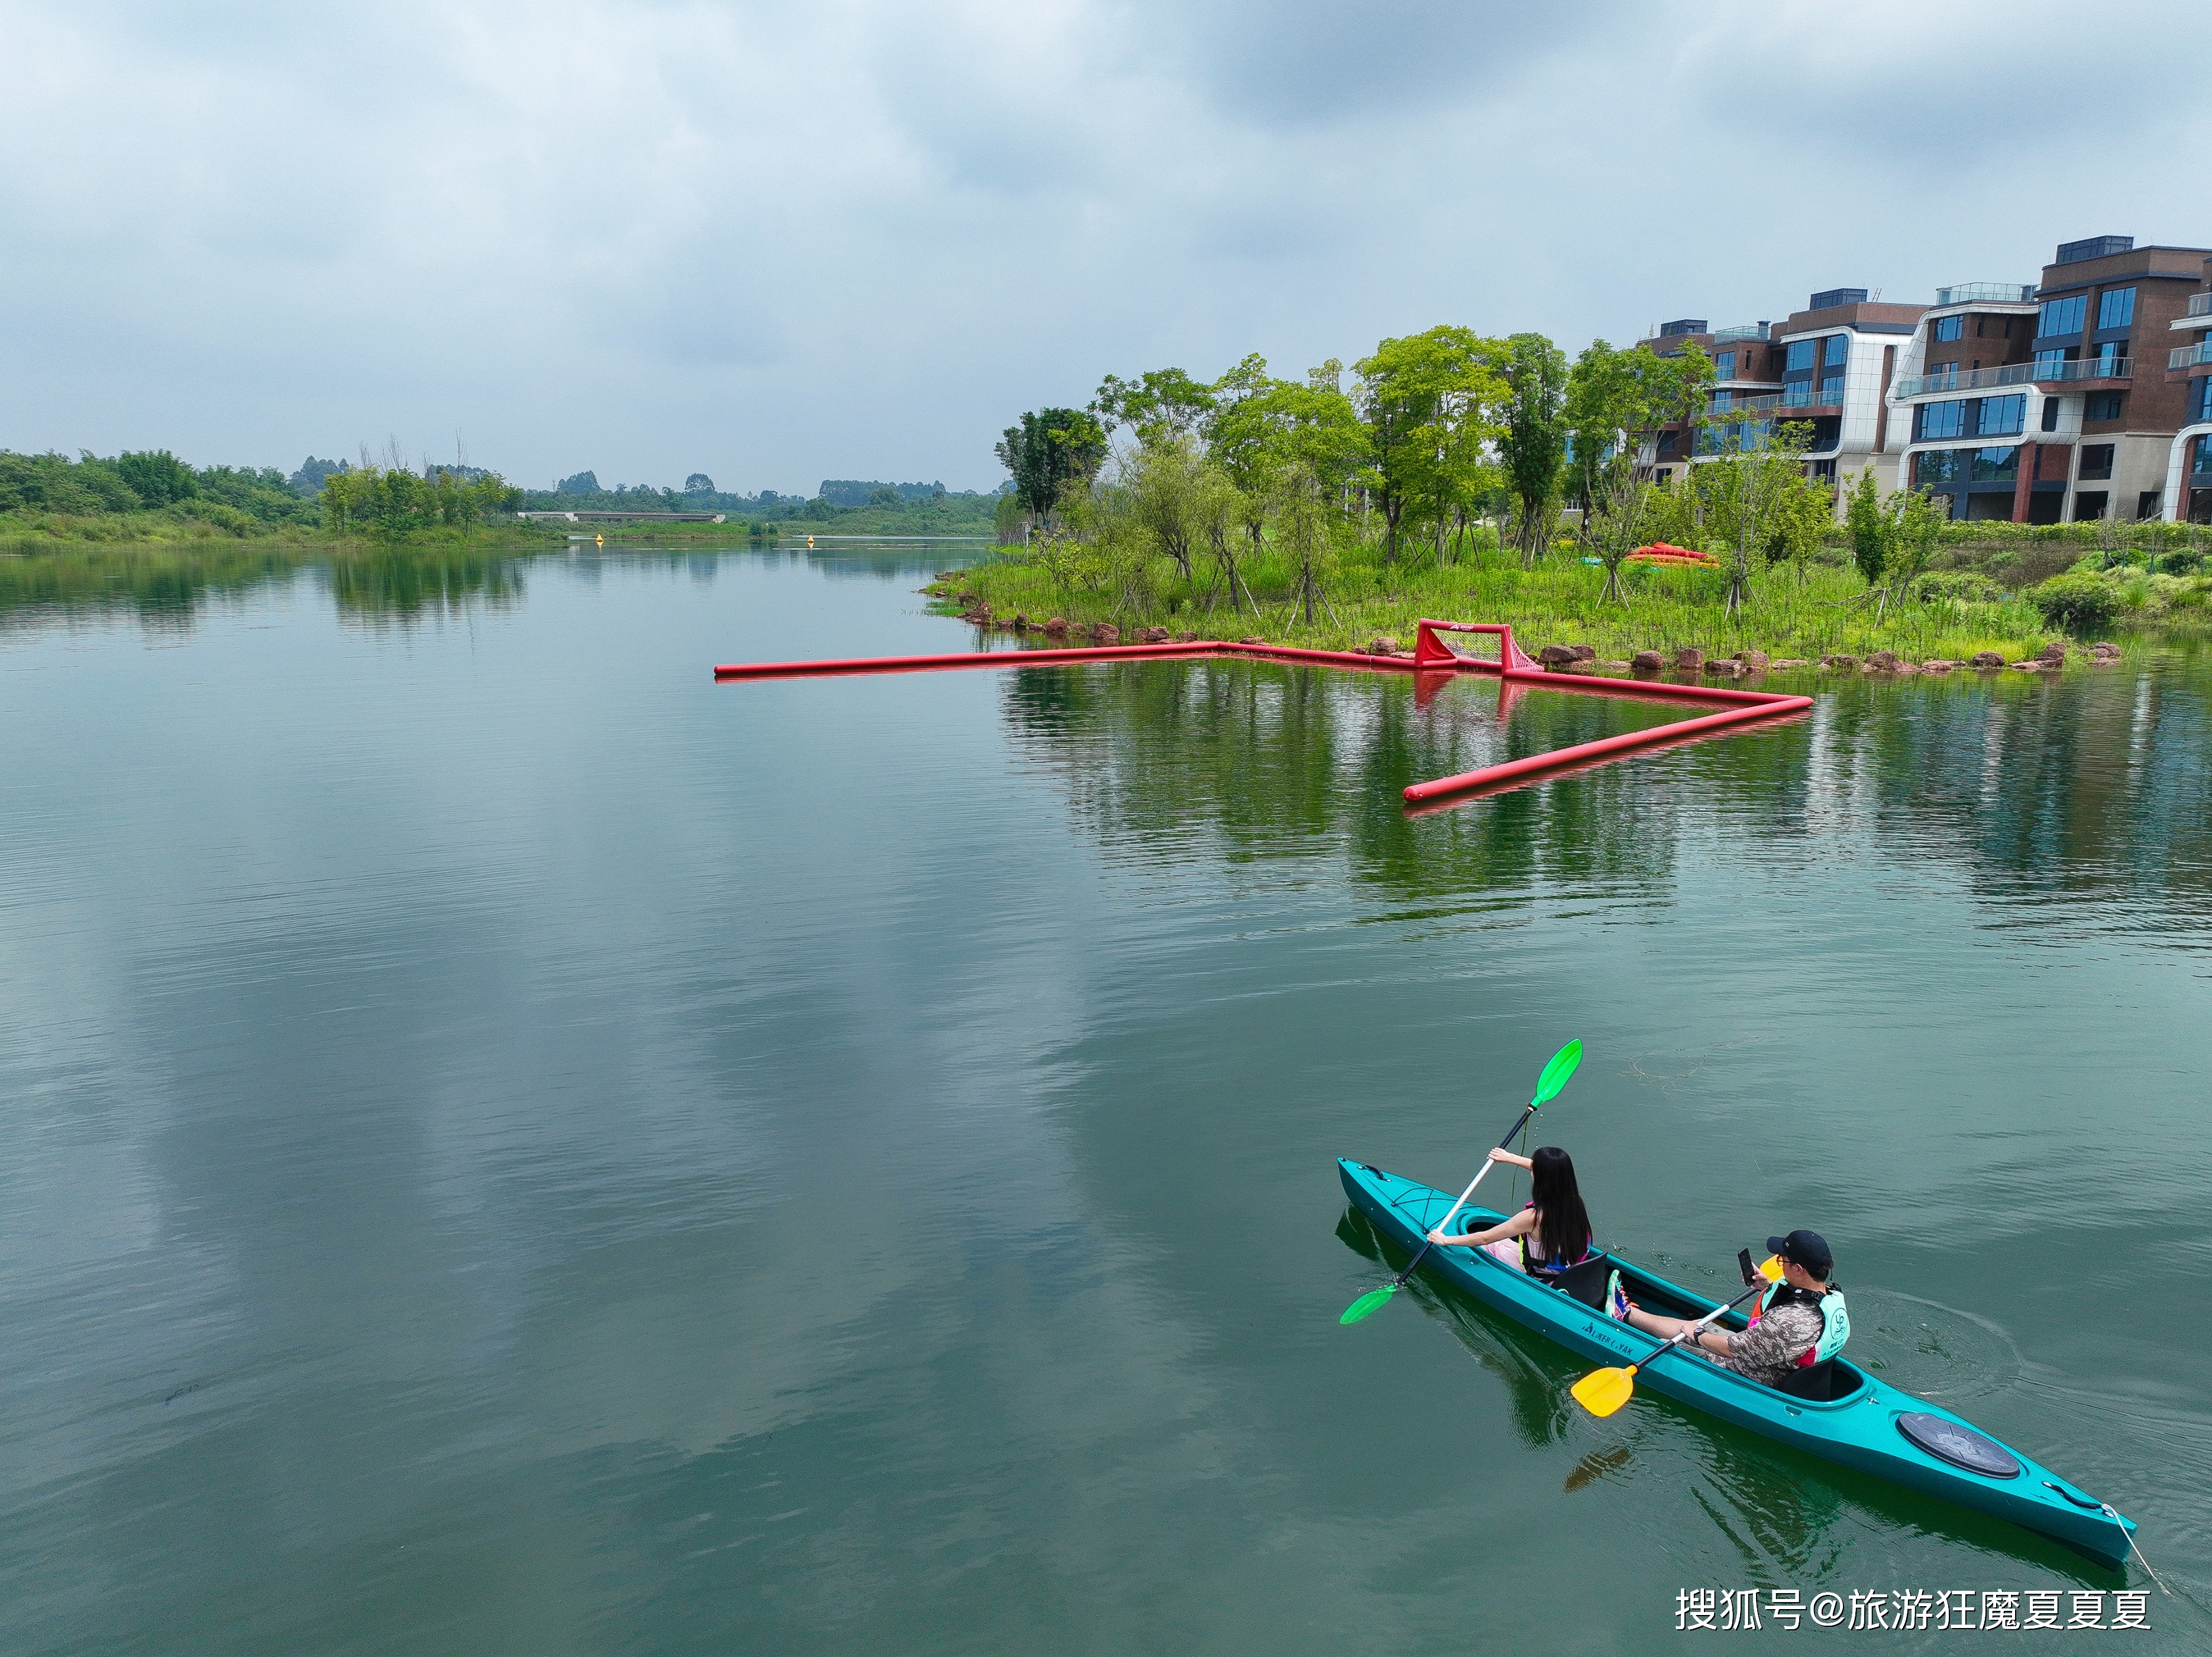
x=1535 y=1267
x=1835 y=1321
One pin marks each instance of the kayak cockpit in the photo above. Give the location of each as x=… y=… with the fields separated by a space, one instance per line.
x=1831 y=1382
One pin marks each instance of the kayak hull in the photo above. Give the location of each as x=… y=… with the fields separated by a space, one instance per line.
x=1859 y=1430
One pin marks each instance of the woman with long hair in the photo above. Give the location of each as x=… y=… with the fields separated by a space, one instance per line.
x=1553 y=1232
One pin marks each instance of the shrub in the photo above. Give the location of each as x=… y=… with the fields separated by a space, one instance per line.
x=2077 y=601
x=1960 y=585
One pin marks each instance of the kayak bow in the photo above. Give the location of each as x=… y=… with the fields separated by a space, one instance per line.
x=1864 y=1424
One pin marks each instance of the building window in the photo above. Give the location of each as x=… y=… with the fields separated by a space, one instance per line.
x=1800 y=354
x=2047 y=363
x=1937 y=465
x=2115 y=307
x=1996 y=465
x=2062 y=316
x=1824 y=471
x=1839 y=346
x=1663 y=474
x=2108 y=357
x=2003 y=417
x=2149 y=504
x=2200 y=400
x=1949 y=328
x=1832 y=388
x=2096 y=460
x=1939 y=420
x=2088 y=506
x=2201 y=466
x=1724 y=365
x=2105 y=405
x=2049 y=413
x=1722 y=401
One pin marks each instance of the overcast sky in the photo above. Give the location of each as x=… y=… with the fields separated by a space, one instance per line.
x=776 y=242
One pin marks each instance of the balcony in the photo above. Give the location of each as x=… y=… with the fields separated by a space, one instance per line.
x=1795 y=398
x=2189 y=357
x=2200 y=304
x=1986 y=292
x=1973 y=379
x=2087 y=367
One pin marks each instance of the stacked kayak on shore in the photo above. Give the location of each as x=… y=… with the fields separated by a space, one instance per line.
x=1848 y=1418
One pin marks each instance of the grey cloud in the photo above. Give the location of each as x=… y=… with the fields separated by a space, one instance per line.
x=783 y=242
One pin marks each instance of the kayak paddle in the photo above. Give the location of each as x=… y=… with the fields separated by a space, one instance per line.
x=1547 y=1087
x=1603 y=1391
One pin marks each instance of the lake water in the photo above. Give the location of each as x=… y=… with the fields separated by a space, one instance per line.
x=510 y=1146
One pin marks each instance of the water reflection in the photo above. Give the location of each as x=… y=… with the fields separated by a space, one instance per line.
x=2094 y=788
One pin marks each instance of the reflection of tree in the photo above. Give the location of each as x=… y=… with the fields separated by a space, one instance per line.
x=2095 y=785
x=1267 y=762
x=163 y=589
x=387 y=585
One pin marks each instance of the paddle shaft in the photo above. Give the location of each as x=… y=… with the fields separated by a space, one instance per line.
x=1698 y=1327
x=1486 y=1166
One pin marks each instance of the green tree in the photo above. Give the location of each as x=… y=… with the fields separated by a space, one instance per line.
x=1619 y=515
x=1868 y=527
x=1750 y=491
x=1161 y=405
x=1534 y=448
x=1430 y=402
x=1163 y=480
x=156 y=476
x=1051 y=451
x=1617 y=398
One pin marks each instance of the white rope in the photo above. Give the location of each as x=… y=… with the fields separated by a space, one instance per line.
x=2137 y=1551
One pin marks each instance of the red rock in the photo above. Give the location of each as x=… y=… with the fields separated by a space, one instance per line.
x=1689 y=659
x=1648 y=661
x=1985 y=658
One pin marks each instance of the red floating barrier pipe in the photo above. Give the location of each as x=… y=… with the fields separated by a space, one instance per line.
x=1430 y=655
x=1581 y=753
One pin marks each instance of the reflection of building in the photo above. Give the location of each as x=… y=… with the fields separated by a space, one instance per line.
x=2188 y=490
x=2027 y=403
x=1829 y=366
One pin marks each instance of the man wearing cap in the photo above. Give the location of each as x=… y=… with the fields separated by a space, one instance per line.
x=1800 y=1321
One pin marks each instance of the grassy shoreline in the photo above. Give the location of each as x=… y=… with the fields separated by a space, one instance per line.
x=1821 y=611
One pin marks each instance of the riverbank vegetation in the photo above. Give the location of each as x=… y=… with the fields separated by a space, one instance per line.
x=1491 y=479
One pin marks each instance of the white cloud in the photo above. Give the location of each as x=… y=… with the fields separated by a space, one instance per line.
x=776 y=242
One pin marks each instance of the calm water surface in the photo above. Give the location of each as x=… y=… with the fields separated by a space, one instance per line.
x=512 y=1147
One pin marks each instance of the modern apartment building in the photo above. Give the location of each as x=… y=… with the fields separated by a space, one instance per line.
x=2034 y=405
x=1829 y=365
x=2188 y=488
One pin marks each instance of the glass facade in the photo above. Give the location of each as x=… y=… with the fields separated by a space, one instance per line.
x=2063 y=316
x=1838 y=348
x=2115 y=307
x=2003 y=417
x=2105 y=405
x=2047 y=363
x=1950 y=328
x=2200 y=400
x=1938 y=466
x=2202 y=463
x=1800 y=354
x=1996 y=466
x=1939 y=420
x=1832 y=388
x=1724 y=365
x=1735 y=435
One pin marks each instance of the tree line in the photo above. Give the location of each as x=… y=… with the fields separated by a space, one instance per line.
x=1434 y=434
x=148 y=481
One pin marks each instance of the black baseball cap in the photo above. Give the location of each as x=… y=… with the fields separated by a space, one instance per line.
x=1808 y=1249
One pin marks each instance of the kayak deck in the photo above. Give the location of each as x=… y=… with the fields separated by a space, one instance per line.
x=1857 y=1425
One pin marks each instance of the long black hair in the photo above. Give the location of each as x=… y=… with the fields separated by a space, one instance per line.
x=1563 y=1224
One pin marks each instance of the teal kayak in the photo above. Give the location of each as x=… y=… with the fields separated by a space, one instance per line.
x=1840 y=1412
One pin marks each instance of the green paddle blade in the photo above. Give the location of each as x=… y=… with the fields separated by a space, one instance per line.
x=1557 y=1072
x=1367 y=1303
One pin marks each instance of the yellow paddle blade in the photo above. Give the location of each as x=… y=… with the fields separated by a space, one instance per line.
x=1603 y=1391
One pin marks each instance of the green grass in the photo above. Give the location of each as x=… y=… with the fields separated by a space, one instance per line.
x=1821 y=611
